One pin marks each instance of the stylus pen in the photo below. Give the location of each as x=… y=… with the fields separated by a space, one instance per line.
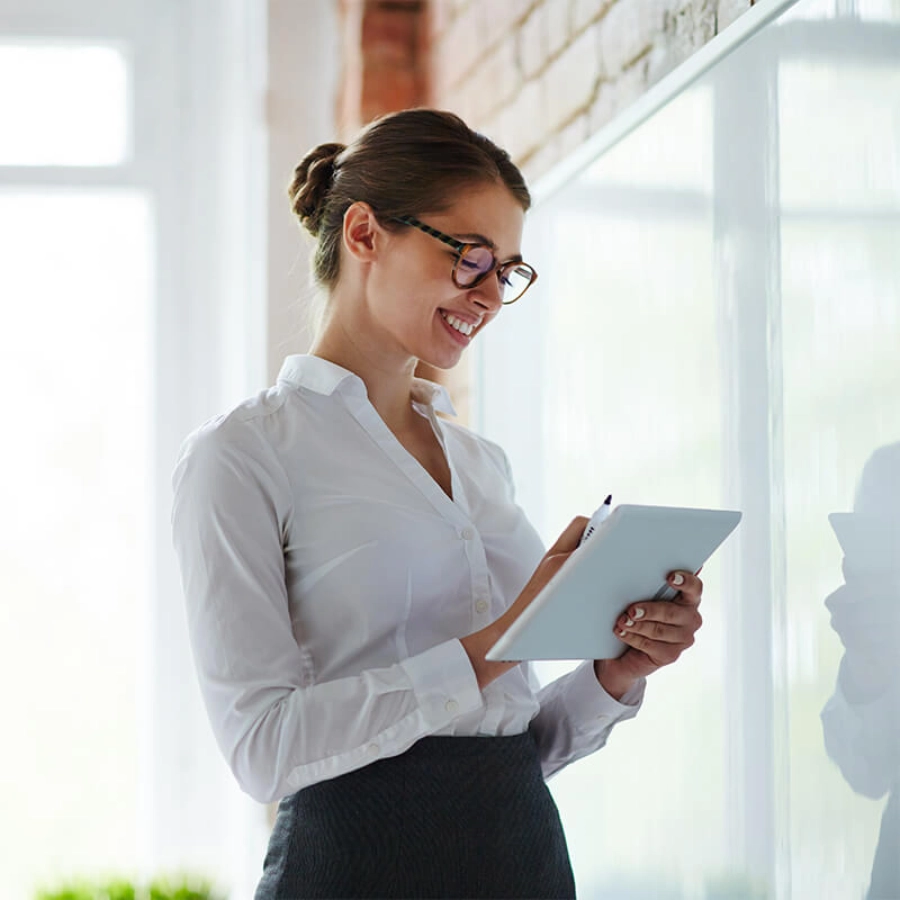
x=597 y=519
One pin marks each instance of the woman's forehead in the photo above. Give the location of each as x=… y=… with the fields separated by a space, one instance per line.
x=484 y=214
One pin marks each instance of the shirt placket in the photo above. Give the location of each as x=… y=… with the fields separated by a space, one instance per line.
x=480 y=604
x=456 y=511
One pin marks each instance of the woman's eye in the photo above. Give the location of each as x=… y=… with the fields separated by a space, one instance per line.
x=469 y=265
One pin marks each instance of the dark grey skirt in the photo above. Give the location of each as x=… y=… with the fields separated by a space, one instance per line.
x=453 y=817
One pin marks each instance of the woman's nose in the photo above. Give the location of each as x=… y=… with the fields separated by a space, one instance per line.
x=488 y=294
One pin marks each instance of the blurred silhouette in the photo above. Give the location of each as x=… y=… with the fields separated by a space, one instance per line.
x=861 y=720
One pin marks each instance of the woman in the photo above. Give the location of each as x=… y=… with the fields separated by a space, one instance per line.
x=348 y=557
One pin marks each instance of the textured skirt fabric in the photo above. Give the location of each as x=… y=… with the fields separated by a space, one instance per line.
x=453 y=817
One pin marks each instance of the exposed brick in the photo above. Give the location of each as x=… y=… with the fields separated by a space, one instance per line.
x=460 y=50
x=383 y=45
x=691 y=24
x=571 y=80
x=387 y=89
x=517 y=10
x=542 y=74
x=583 y=12
x=499 y=73
x=541 y=159
x=440 y=15
x=687 y=27
x=628 y=32
x=457 y=6
x=534 y=48
x=349 y=92
x=389 y=34
x=574 y=134
x=440 y=73
x=463 y=104
x=615 y=95
x=519 y=125
x=728 y=11
x=500 y=19
x=557 y=18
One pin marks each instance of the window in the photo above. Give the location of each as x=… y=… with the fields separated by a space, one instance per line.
x=716 y=324
x=63 y=104
x=74 y=553
x=132 y=311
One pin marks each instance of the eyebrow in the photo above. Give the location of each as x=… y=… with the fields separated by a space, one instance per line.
x=475 y=238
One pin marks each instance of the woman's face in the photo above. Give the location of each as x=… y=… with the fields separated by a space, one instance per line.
x=412 y=301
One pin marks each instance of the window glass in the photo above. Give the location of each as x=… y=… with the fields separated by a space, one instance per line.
x=717 y=321
x=63 y=104
x=75 y=354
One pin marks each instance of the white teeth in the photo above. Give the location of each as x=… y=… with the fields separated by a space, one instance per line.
x=462 y=327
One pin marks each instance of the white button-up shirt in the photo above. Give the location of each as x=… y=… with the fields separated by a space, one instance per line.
x=328 y=580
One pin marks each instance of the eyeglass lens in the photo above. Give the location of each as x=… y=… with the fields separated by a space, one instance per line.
x=478 y=261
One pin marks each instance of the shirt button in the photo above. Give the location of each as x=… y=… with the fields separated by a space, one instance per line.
x=467 y=534
x=372 y=751
x=451 y=706
x=481 y=606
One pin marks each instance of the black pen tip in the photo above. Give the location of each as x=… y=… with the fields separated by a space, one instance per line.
x=608 y=500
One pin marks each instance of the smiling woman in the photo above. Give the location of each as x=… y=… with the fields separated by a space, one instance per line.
x=348 y=557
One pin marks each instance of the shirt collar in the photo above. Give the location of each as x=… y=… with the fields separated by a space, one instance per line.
x=324 y=377
x=432 y=394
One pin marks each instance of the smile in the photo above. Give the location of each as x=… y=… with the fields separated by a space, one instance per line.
x=465 y=328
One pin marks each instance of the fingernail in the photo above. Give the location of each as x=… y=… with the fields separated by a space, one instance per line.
x=639 y=613
x=621 y=634
x=678 y=578
x=628 y=622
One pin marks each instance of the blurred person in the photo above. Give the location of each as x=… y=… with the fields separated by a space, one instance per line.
x=349 y=557
x=861 y=720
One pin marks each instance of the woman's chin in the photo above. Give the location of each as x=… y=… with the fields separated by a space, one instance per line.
x=436 y=363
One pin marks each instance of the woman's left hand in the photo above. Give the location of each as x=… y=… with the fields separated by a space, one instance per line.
x=656 y=632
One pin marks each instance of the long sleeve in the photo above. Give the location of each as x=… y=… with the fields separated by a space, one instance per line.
x=577 y=716
x=277 y=728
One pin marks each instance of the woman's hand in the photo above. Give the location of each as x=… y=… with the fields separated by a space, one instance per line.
x=656 y=632
x=478 y=643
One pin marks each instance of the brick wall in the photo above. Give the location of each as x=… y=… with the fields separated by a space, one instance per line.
x=386 y=61
x=541 y=76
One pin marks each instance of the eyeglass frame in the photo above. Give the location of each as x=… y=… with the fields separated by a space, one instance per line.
x=462 y=248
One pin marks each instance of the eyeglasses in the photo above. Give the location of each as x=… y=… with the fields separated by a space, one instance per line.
x=474 y=262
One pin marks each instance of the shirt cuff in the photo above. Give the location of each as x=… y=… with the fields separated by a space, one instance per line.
x=444 y=682
x=588 y=703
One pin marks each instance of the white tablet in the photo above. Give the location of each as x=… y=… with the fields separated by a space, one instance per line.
x=625 y=560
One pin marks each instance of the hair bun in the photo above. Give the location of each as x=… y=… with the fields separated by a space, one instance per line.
x=310 y=185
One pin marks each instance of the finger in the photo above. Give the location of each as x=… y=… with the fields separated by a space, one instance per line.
x=663 y=611
x=569 y=539
x=660 y=653
x=690 y=588
x=680 y=628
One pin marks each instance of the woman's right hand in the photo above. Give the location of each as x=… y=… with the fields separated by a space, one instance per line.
x=478 y=643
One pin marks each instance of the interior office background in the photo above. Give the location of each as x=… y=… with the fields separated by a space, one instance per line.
x=716 y=323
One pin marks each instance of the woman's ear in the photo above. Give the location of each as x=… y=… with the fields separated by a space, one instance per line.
x=362 y=233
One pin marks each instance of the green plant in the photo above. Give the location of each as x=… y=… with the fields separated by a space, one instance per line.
x=162 y=888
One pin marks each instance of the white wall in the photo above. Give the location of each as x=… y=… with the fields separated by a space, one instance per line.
x=304 y=56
